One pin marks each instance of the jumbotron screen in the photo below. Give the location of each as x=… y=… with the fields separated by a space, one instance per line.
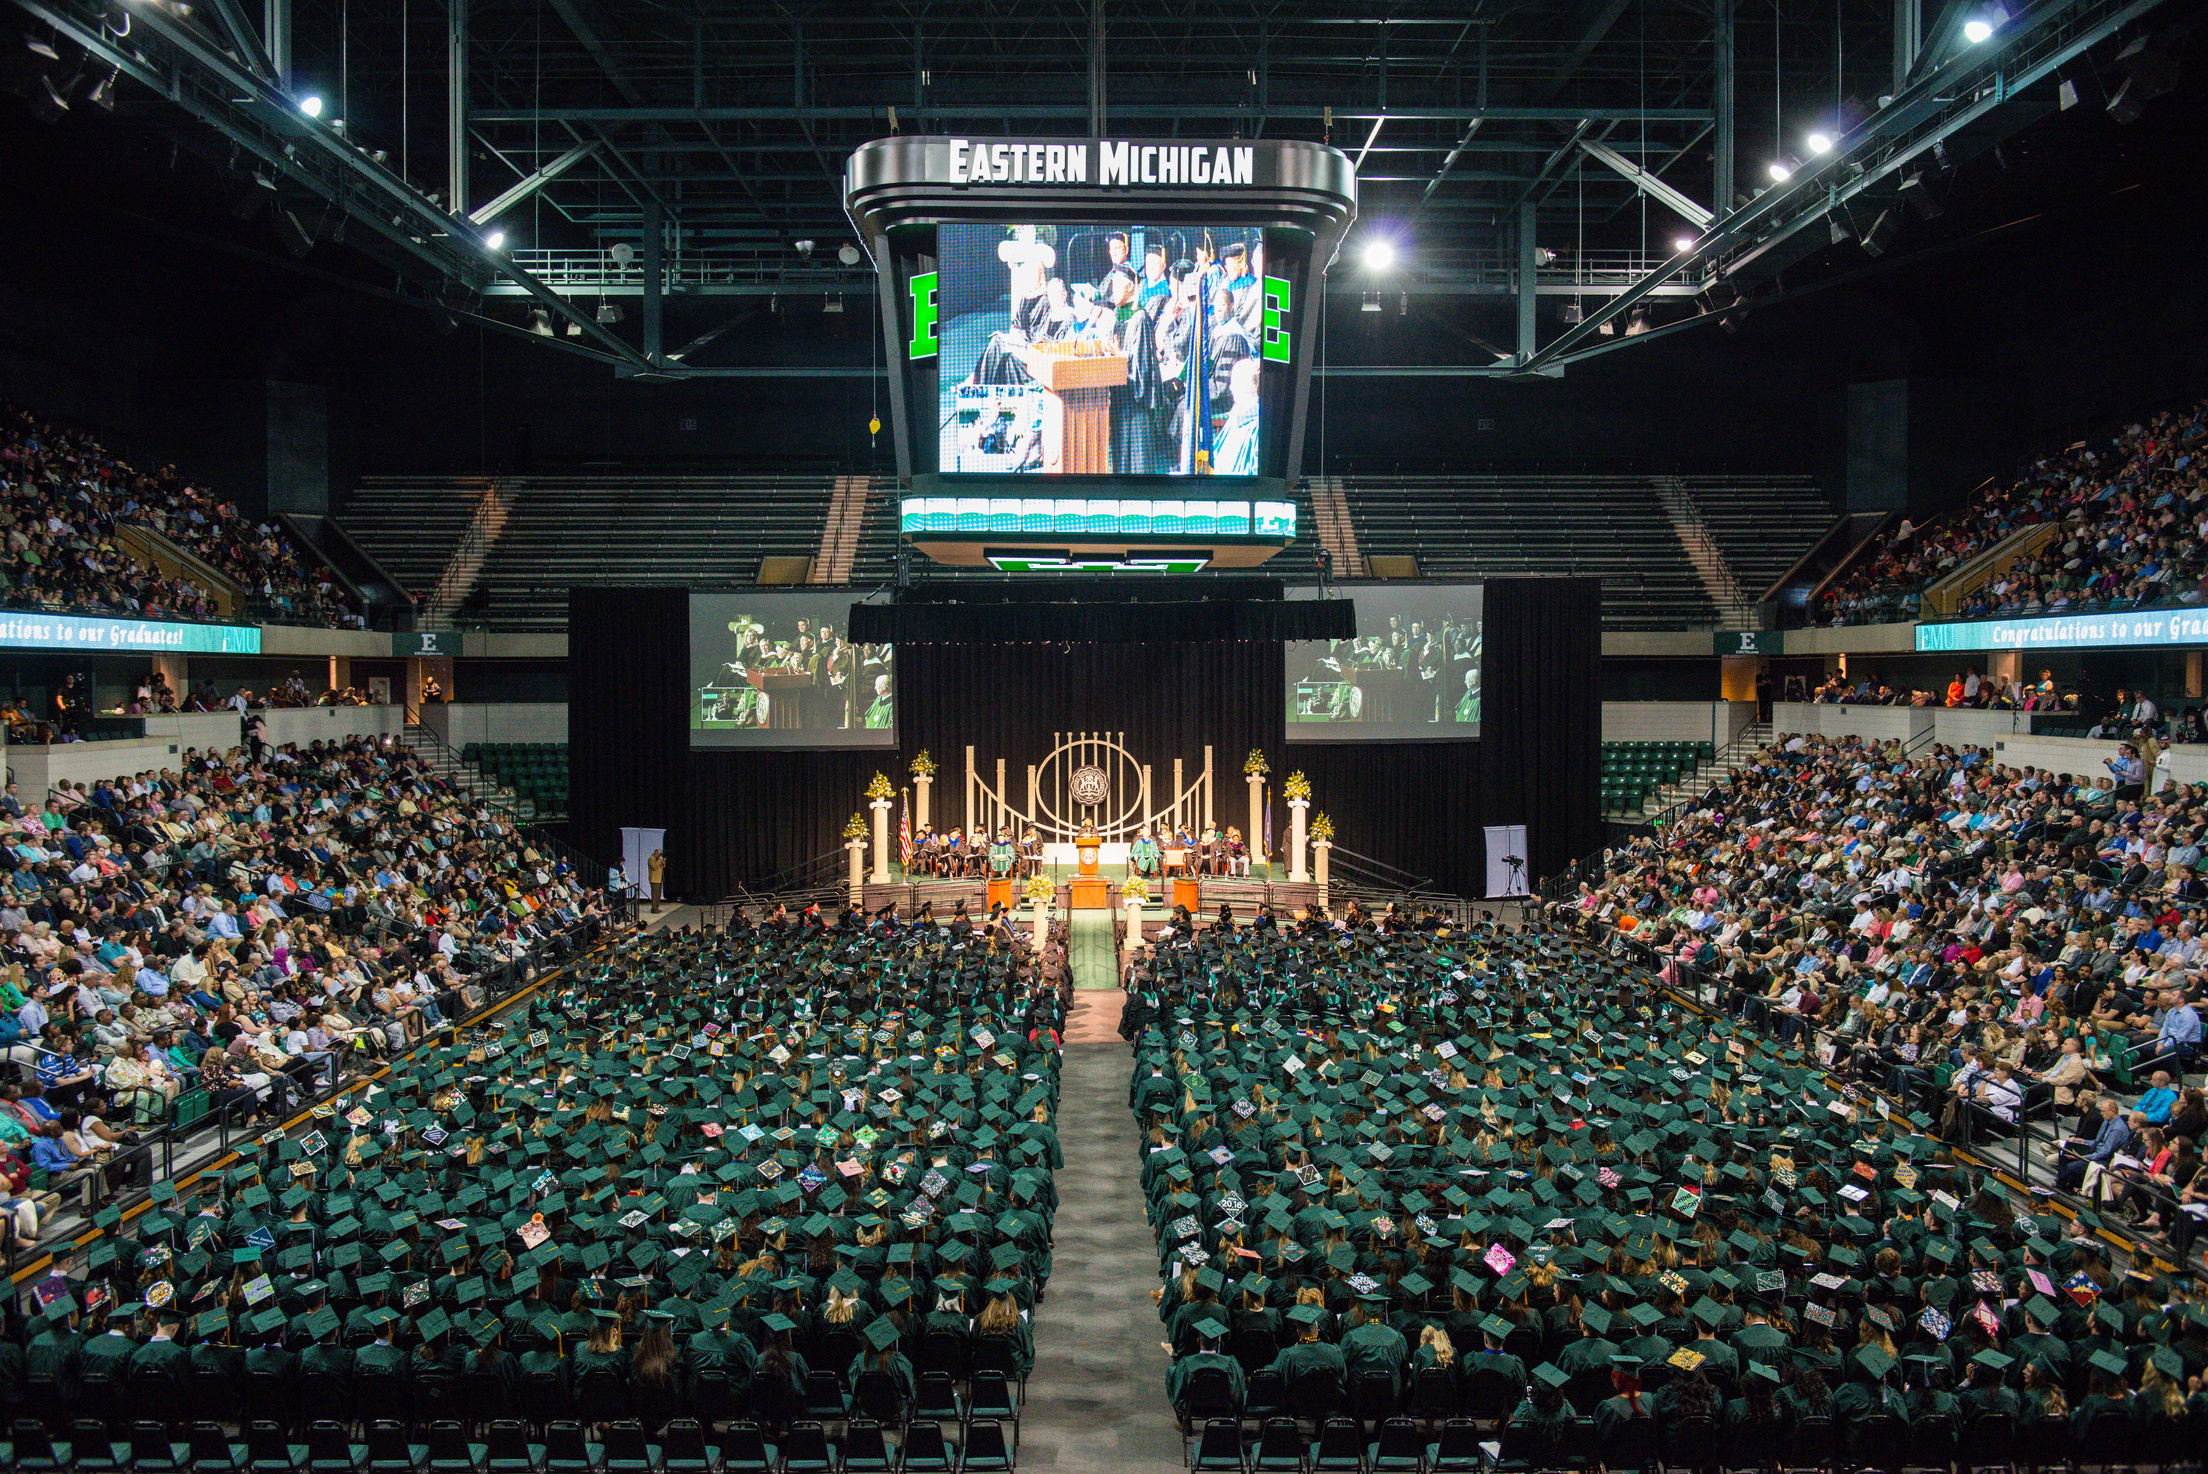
x=774 y=670
x=1411 y=675
x=1117 y=349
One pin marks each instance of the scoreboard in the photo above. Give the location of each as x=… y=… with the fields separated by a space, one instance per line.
x=1101 y=347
